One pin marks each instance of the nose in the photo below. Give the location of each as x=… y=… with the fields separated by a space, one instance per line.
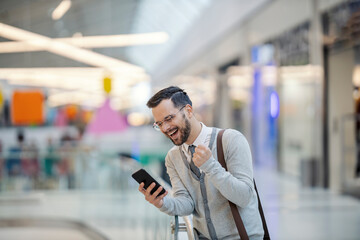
x=165 y=127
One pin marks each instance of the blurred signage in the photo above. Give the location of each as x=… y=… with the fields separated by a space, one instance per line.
x=293 y=46
x=341 y=25
x=274 y=104
x=71 y=111
x=107 y=84
x=1 y=100
x=263 y=54
x=27 y=108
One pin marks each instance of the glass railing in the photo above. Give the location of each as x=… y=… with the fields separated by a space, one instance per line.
x=46 y=192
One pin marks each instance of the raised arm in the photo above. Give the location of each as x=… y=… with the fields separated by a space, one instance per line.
x=236 y=184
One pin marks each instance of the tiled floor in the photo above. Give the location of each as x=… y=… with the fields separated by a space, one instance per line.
x=115 y=215
x=294 y=212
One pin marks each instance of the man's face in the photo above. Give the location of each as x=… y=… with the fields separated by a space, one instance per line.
x=178 y=128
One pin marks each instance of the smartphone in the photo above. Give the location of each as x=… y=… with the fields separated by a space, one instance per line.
x=143 y=176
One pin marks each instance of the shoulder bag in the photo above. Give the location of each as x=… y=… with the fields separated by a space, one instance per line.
x=236 y=215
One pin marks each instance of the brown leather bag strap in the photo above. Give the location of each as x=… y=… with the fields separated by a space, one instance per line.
x=238 y=221
x=237 y=218
x=266 y=231
x=220 y=151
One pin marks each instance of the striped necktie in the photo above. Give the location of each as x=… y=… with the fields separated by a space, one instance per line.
x=193 y=167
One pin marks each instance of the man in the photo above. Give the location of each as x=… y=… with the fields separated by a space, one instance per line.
x=201 y=186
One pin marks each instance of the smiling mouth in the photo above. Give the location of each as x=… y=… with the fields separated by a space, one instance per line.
x=173 y=132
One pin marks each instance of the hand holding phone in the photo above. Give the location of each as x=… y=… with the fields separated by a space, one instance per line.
x=152 y=190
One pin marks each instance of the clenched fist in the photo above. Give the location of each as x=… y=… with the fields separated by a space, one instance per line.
x=201 y=155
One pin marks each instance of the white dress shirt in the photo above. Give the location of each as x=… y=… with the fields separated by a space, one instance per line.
x=203 y=138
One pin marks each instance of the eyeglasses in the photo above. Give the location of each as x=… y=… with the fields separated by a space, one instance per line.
x=167 y=119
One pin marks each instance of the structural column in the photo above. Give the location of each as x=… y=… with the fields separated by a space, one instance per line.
x=316 y=60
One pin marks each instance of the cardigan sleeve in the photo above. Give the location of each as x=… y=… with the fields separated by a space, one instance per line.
x=236 y=184
x=181 y=202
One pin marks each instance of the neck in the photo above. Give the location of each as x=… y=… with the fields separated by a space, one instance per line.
x=195 y=131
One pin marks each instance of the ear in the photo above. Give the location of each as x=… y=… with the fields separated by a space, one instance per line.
x=189 y=110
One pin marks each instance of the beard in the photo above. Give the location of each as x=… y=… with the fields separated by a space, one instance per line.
x=184 y=133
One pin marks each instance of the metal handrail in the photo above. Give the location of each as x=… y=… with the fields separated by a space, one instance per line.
x=182 y=227
x=177 y=227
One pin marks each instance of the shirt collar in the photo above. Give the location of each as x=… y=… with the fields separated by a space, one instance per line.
x=202 y=138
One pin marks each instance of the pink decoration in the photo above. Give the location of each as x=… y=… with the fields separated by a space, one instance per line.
x=106 y=120
x=60 y=119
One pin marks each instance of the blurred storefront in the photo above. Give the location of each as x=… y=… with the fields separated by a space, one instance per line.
x=291 y=88
x=342 y=57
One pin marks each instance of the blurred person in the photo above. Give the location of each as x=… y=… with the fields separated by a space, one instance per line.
x=13 y=162
x=2 y=118
x=357 y=133
x=30 y=160
x=1 y=159
x=201 y=186
x=66 y=137
x=5 y=114
x=50 y=159
x=66 y=164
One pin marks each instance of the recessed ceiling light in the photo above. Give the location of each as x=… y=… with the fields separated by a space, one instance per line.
x=60 y=10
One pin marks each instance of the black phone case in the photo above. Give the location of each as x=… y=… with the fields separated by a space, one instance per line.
x=143 y=176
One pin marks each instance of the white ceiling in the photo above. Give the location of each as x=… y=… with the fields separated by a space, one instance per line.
x=192 y=27
x=93 y=18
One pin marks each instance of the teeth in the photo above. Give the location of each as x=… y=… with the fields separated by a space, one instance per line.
x=172 y=132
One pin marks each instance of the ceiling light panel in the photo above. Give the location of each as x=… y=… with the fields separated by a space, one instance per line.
x=64 y=49
x=89 y=42
x=61 y=9
x=89 y=79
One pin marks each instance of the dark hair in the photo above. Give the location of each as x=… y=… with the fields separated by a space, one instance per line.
x=20 y=135
x=177 y=95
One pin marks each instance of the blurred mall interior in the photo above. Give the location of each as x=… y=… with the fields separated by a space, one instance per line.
x=75 y=76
